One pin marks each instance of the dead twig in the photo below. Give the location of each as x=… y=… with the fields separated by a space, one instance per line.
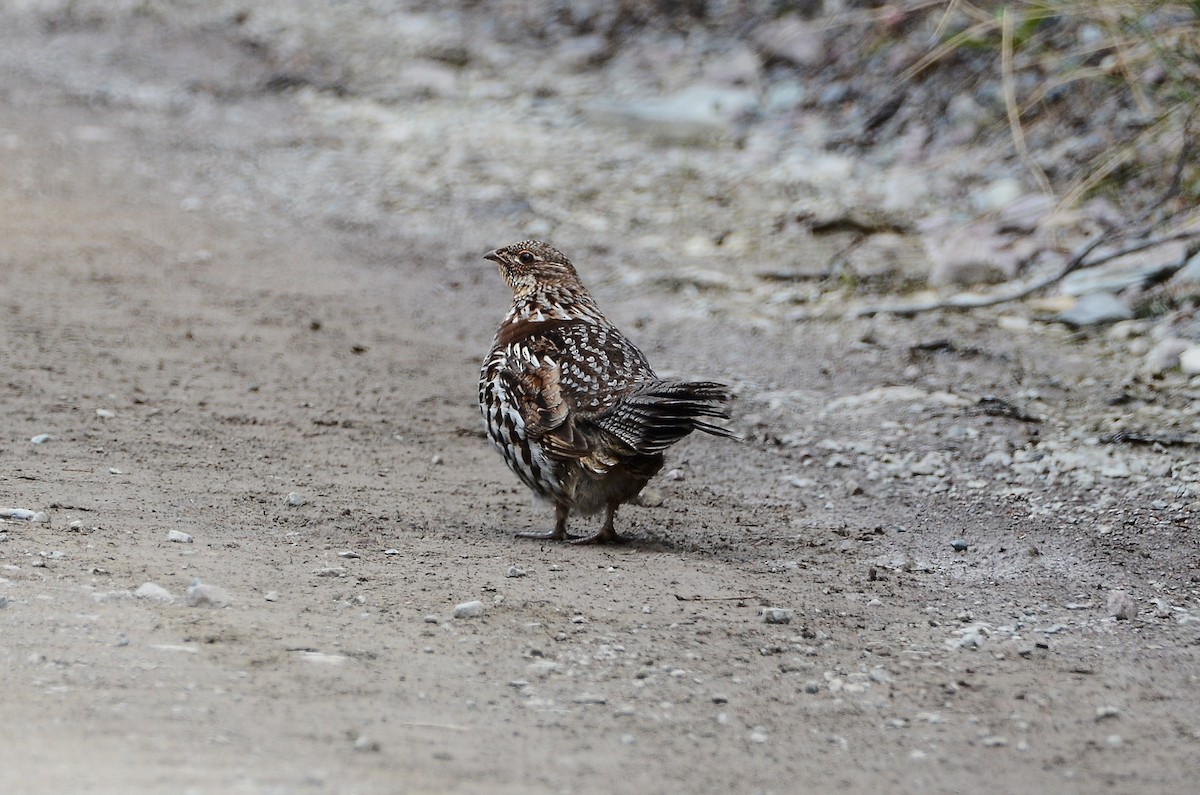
x=1166 y=439
x=1078 y=261
x=742 y=598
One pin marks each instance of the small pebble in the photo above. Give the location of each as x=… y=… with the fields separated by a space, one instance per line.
x=391 y=552
x=1121 y=606
x=812 y=686
x=471 y=609
x=155 y=592
x=366 y=744
x=777 y=615
x=42 y=438
x=1114 y=740
x=960 y=545
x=628 y=739
x=105 y=414
x=349 y=554
x=430 y=619
x=115 y=471
x=758 y=737
x=201 y=595
x=40 y=517
x=720 y=698
x=1107 y=712
x=436 y=460
x=578 y=620
x=271 y=596
x=513 y=571
x=17 y=513
x=994 y=741
x=295 y=500
x=330 y=571
x=590 y=698
x=179 y=537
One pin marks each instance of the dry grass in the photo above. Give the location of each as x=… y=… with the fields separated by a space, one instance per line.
x=1131 y=69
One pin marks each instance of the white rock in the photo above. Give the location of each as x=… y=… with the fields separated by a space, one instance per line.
x=295 y=499
x=514 y=571
x=42 y=438
x=1189 y=360
x=179 y=537
x=202 y=595
x=471 y=609
x=1095 y=309
x=23 y=514
x=105 y=414
x=1165 y=355
x=154 y=591
x=998 y=195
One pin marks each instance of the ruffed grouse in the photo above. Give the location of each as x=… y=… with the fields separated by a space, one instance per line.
x=573 y=405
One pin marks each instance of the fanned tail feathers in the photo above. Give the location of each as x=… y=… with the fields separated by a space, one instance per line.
x=656 y=414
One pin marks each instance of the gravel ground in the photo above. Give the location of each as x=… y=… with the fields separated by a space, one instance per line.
x=261 y=544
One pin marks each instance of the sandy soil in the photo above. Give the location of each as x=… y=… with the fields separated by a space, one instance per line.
x=240 y=354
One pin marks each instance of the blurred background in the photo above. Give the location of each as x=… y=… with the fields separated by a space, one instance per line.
x=792 y=158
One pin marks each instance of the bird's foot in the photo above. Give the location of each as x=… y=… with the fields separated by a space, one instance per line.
x=552 y=535
x=603 y=537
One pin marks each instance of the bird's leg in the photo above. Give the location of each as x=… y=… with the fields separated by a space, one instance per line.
x=607 y=534
x=559 y=533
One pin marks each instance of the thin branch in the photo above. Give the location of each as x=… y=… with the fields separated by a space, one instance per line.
x=1079 y=261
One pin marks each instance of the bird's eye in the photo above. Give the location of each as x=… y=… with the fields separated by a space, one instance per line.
x=525 y=258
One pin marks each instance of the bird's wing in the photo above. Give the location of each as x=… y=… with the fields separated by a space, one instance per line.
x=533 y=387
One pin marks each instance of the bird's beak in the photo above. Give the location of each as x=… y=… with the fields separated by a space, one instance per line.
x=494 y=256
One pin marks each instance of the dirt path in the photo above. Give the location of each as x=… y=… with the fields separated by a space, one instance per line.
x=239 y=355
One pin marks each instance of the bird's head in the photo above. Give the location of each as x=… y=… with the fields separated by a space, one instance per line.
x=532 y=266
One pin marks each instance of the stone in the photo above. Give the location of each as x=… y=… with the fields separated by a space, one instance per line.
x=999 y=194
x=1095 y=309
x=154 y=592
x=472 y=609
x=178 y=537
x=41 y=438
x=1121 y=606
x=791 y=40
x=1165 y=355
x=1189 y=360
x=295 y=500
x=777 y=615
x=695 y=115
x=971 y=255
x=202 y=595
x=1132 y=269
x=960 y=545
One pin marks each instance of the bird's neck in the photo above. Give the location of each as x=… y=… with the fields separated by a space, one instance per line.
x=553 y=302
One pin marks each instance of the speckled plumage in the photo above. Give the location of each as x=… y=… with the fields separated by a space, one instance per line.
x=572 y=404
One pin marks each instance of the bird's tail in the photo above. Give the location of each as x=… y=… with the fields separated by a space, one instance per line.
x=656 y=414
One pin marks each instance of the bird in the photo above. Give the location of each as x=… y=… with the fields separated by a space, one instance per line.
x=572 y=405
